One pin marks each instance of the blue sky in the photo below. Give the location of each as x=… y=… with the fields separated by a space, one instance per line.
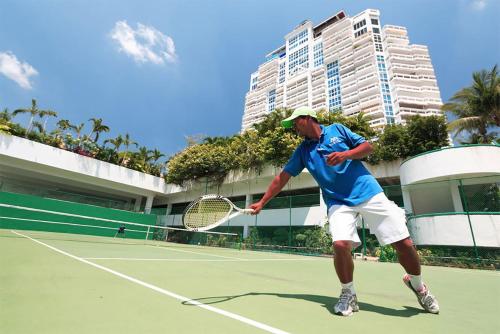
x=163 y=70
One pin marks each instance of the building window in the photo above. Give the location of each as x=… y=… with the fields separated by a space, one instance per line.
x=299 y=39
x=361 y=32
x=299 y=58
x=281 y=76
x=360 y=24
x=271 y=99
x=333 y=86
x=318 y=54
x=376 y=30
x=254 y=82
x=375 y=22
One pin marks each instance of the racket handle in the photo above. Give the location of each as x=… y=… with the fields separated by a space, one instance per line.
x=247 y=211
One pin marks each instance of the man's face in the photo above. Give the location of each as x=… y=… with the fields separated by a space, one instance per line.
x=300 y=125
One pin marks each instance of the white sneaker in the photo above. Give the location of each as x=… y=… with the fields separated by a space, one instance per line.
x=424 y=297
x=347 y=304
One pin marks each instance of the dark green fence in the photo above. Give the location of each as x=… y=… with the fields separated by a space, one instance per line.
x=27 y=212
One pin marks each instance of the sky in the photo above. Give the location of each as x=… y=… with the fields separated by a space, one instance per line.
x=163 y=70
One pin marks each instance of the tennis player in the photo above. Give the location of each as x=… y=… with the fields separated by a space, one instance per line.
x=332 y=155
x=120 y=231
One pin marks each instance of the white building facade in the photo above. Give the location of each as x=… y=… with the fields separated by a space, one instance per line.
x=350 y=64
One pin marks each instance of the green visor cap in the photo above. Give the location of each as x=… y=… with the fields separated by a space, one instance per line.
x=302 y=111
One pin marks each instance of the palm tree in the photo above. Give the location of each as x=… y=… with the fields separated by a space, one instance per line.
x=78 y=130
x=127 y=142
x=156 y=155
x=477 y=107
x=34 y=111
x=143 y=159
x=44 y=113
x=97 y=128
x=64 y=125
x=5 y=115
x=117 y=142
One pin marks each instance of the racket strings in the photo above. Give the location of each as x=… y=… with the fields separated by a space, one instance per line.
x=206 y=212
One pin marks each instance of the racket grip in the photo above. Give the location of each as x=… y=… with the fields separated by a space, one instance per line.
x=247 y=211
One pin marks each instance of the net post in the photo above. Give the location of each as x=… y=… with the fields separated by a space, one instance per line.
x=363 y=236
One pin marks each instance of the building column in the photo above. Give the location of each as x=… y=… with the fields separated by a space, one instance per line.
x=245 y=231
x=407 y=199
x=137 y=204
x=149 y=204
x=248 y=200
x=455 y=196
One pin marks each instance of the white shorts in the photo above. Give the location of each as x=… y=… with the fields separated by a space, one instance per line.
x=383 y=217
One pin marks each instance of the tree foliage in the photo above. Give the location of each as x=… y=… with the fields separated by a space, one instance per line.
x=477 y=108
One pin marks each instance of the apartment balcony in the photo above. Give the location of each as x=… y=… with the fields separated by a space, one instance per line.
x=365 y=69
x=350 y=107
x=349 y=88
x=349 y=98
x=347 y=68
x=366 y=79
x=370 y=101
x=400 y=59
x=363 y=39
x=394 y=30
x=364 y=60
x=368 y=90
x=399 y=49
x=374 y=113
x=395 y=40
x=319 y=105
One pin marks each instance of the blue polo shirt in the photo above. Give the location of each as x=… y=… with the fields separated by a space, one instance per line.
x=348 y=183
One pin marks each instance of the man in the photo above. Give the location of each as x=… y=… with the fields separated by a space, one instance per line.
x=120 y=231
x=332 y=155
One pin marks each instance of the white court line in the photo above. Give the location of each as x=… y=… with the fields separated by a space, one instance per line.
x=191 y=260
x=197 y=253
x=163 y=291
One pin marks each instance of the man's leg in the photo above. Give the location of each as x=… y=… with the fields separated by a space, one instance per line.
x=344 y=265
x=388 y=222
x=407 y=256
x=343 y=230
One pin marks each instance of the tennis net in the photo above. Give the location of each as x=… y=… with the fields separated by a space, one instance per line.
x=64 y=224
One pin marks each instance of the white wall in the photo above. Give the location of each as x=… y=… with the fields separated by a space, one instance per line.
x=454 y=230
x=28 y=155
x=451 y=163
x=276 y=217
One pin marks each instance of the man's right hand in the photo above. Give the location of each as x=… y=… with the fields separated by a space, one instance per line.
x=256 y=207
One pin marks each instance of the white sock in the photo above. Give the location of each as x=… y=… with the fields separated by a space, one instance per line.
x=416 y=282
x=349 y=286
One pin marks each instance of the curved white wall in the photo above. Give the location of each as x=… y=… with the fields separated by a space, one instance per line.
x=454 y=230
x=468 y=161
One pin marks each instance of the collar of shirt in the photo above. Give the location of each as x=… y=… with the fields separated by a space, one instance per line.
x=309 y=141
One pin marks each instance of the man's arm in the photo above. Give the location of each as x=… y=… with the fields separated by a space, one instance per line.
x=359 y=152
x=274 y=188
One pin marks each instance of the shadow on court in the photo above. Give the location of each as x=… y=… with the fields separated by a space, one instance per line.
x=324 y=301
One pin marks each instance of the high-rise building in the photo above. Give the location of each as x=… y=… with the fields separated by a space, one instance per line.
x=350 y=64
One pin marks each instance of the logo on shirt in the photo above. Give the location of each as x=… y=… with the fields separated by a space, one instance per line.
x=335 y=140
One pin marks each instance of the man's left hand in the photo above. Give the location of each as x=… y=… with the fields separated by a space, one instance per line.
x=336 y=158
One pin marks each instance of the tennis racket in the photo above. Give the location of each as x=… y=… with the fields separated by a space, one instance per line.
x=210 y=211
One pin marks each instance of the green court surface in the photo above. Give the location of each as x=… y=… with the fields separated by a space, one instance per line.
x=63 y=283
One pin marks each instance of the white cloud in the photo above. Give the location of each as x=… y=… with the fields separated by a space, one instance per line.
x=16 y=70
x=479 y=4
x=145 y=44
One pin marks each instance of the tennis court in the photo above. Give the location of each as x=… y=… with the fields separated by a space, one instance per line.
x=68 y=283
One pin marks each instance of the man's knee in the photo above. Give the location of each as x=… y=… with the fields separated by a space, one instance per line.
x=403 y=245
x=342 y=246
